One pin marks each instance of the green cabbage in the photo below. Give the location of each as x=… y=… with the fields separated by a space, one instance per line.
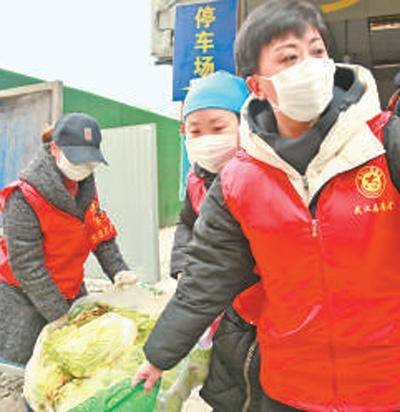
x=80 y=350
x=94 y=348
x=80 y=359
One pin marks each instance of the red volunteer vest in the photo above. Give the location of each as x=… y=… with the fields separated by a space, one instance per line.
x=245 y=302
x=329 y=321
x=67 y=241
x=197 y=190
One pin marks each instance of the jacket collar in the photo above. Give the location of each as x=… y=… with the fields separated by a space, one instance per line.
x=43 y=174
x=299 y=152
x=348 y=144
x=202 y=173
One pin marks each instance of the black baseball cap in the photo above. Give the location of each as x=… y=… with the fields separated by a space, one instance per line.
x=78 y=136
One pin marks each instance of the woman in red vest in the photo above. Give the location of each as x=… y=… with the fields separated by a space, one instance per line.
x=313 y=201
x=211 y=113
x=52 y=221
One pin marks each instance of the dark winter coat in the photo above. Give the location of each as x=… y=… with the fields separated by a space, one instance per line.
x=235 y=337
x=184 y=226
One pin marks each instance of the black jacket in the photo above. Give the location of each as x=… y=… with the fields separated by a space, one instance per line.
x=234 y=337
x=184 y=226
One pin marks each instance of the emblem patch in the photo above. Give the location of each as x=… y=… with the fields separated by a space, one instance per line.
x=371 y=181
x=88 y=134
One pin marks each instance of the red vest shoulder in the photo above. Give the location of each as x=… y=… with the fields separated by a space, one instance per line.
x=6 y=193
x=197 y=191
x=378 y=123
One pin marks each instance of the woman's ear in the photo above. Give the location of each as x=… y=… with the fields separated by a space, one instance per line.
x=253 y=84
x=264 y=90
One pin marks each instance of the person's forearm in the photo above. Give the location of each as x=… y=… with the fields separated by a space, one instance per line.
x=183 y=236
x=219 y=266
x=110 y=258
x=44 y=294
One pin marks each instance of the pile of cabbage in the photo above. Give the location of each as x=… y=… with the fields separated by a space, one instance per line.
x=93 y=348
x=97 y=346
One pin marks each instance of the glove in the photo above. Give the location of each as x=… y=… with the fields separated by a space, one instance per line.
x=124 y=278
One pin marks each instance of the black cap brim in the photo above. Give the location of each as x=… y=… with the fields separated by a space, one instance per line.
x=83 y=154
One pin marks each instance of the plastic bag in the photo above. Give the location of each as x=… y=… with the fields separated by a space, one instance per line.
x=57 y=380
x=121 y=398
x=141 y=297
x=178 y=383
x=82 y=358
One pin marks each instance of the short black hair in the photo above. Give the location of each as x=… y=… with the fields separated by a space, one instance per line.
x=273 y=19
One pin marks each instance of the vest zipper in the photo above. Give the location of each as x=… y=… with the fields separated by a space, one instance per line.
x=246 y=373
x=315 y=228
x=325 y=289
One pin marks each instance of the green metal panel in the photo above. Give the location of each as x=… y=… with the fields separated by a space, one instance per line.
x=115 y=114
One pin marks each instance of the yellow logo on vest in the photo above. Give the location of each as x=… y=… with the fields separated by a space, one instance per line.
x=377 y=207
x=371 y=181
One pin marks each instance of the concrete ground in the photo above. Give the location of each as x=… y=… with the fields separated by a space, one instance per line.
x=10 y=393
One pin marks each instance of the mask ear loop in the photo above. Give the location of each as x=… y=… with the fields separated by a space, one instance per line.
x=275 y=107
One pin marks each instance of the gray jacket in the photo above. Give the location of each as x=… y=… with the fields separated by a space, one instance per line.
x=40 y=301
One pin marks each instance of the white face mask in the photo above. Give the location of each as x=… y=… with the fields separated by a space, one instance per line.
x=75 y=172
x=305 y=89
x=212 y=152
